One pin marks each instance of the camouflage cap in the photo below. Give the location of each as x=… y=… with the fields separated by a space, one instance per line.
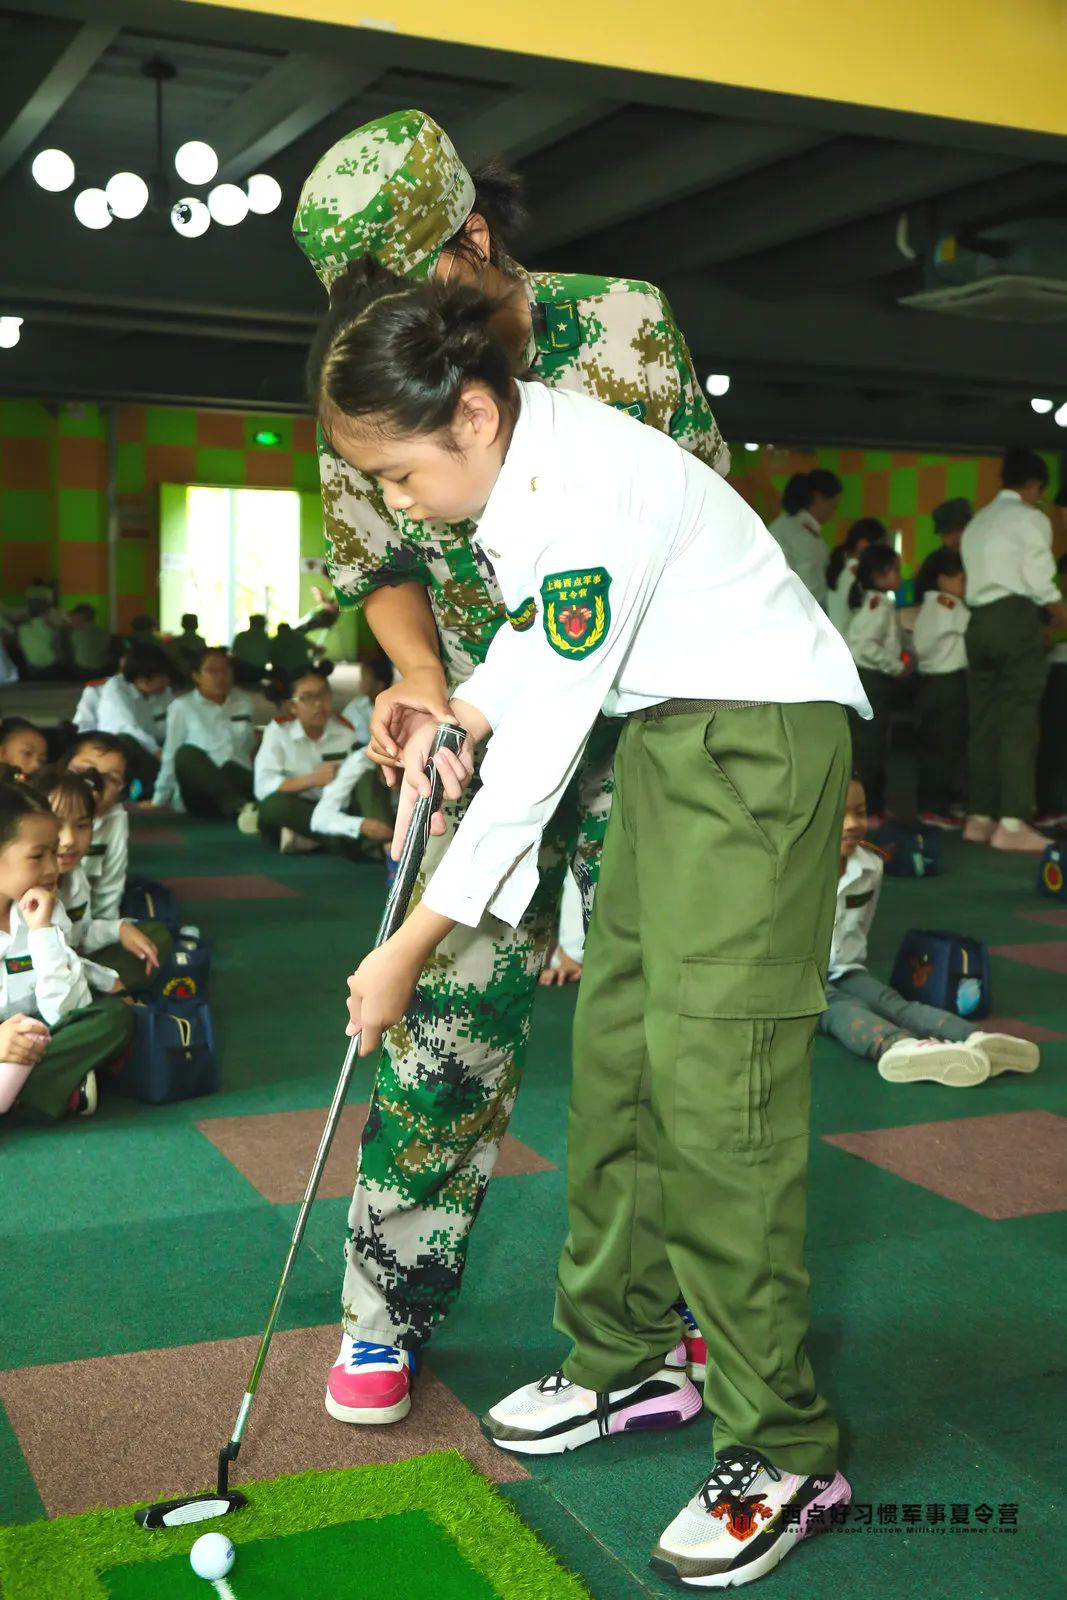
x=395 y=189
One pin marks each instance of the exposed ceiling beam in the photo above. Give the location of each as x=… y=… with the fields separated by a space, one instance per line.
x=787 y=203
x=668 y=172
x=35 y=87
x=522 y=123
x=292 y=98
x=870 y=249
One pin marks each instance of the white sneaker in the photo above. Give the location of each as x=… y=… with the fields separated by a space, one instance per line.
x=1006 y=1053
x=248 y=818
x=553 y=1415
x=292 y=843
x=958 y=1066
x=744 y=1519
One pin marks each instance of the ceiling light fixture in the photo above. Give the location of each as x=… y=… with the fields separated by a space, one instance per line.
x=752 y=447
x=127 y=194
x=10 y=332
x=718 y=383
x=1042 y=407
x=1060 y=417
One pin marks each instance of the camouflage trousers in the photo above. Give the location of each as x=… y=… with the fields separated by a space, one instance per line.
x=447 y=1081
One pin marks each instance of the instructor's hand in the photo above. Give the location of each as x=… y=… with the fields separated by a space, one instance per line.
x=455 y=773
x=380 y=992
x=399 y=711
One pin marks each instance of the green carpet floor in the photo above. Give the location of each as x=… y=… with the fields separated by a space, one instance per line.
x=937 y=1332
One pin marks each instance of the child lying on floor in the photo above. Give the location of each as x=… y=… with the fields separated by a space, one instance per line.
x=53 y=1037
x=908 y=1040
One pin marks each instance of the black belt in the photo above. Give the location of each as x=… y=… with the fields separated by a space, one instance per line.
x=679 y=708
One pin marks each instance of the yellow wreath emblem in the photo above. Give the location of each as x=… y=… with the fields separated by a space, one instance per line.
x=583 y=647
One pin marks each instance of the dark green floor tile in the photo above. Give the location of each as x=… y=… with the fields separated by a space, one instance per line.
x=19 y=1500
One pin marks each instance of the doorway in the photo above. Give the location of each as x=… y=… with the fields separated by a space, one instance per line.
x=226 y=554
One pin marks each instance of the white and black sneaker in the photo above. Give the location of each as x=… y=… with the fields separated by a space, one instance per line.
x=554 y=1415
x=745 y=1518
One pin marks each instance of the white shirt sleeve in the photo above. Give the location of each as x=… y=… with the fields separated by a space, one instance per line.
x=270 y=770
x=330 y=815
x=60 y=982
x=166 y=792
x=551 y=700
x=115 y=716
x=492 y=682
x=108 y=888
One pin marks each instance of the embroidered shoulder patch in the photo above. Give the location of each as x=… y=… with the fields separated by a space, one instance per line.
x=576 y=611
x=947 y=601
x=16 y=964
x=523 y=615
x=76 y=913
x=873 y=603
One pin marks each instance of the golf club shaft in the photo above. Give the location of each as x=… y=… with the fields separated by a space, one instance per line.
x=415 y=841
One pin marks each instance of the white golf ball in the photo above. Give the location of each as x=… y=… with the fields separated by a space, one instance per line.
x=212 y=1556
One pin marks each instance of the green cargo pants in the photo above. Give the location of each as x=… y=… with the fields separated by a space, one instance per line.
x=704 y=975
x=1007 y=667
x=84 y=1041
x=207 y=789
x=870 y=739
x=941 y=739
x=370 y=798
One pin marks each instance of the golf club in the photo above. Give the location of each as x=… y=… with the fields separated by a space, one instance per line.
x=202 y=1507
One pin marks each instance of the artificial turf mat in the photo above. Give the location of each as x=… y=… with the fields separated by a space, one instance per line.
x=429 y=1526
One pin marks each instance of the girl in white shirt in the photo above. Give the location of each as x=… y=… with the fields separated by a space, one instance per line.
x=104 y=756
x=53 y=1037
x=877 y=643
x=909 y=1041
x=841 y=568
x=939 y=641
x=634 y=576
x=301 y=754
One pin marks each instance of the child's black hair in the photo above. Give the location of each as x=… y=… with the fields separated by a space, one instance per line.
x=943 y=563
x=212 y=650
x=17 y=800
x=10 y=725
x=867 y=529
x=1021 y=466
x=499 y=198
x=145 y=660
x=877 y=557
x=110 y=743
x=81 y=789
x=190 y=620
x=796 y=494
x=401 y=352
x=282 y=685
x=824 y=482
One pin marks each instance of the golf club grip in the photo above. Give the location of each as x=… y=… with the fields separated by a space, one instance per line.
x=448 y=737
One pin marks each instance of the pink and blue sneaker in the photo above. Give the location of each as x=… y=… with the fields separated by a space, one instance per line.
x=370 y=1383
x=696 y=1349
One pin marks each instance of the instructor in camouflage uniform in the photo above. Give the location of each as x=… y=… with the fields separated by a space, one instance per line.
x=446 y=1085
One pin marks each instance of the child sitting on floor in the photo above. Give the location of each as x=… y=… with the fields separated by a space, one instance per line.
x=22 y=746
x=207 y=753
x=301 y=753
x=105 y=864
x=133 y=706
x=126 y=955
x=41 y=977
x=908 y=1040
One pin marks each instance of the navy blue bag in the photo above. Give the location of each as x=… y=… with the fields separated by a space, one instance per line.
x=172 y=1056
x=186 y=973
x=944 y=969
x=1050 y=878
x=908 y=852
x=148 y=901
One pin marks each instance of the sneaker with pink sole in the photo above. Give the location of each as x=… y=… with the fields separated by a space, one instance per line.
x=369 y=1383
x=553 y=1415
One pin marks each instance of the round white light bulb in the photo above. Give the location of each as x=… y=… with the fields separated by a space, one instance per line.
x=1060 y=417
x=718 y=383
x=92 y=210
x=228 y=204
x=190 y=217
x=264 y=193
x=53 y=170
x=10 y=331
x=196 y=162
x=1042 y=407
x=127 y=195
x=752 y=447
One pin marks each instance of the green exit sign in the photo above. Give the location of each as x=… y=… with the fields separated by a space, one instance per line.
x=267 y=436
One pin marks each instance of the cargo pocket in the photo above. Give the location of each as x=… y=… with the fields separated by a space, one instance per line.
x=742 y=1069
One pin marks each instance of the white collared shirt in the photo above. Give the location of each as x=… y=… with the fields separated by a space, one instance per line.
x=331 y=815
x=677 y=585
x=940 y=633
x=105 y=865
x=837 y=607
x=39 y=972
x=87 y=711
x=805 y=550
x=224 y=732
x=858 y=889
x=358 y=712
x=1007 y=550
x=88 y=933
x=122 y=708
x=875 y=636
x=288 y=752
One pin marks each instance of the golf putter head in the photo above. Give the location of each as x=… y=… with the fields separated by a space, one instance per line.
x=193 y=1508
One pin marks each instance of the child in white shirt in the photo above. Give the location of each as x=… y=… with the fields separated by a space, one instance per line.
x=301 y=753
x=908 y=1040
x=41 y=977
x=104 y=755
x=207 y=753
x=877 y=643
x=133 y=706
x=939 y=641
x=22 y=746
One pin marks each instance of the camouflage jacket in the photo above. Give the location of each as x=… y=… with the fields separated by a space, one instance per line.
x=612 y=338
